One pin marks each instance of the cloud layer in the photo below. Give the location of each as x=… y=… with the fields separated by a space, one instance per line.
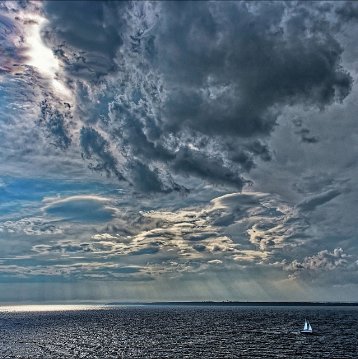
x=207 y=144
x=211 y=117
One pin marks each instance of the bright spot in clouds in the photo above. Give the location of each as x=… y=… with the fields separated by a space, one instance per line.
x=41 y=57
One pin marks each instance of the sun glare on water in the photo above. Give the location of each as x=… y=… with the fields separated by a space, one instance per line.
x=48 y=308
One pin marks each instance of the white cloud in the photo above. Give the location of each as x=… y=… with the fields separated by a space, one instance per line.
x=82 y=208
x=333 y=266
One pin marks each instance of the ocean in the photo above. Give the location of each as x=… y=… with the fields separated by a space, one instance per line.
x=177 y=332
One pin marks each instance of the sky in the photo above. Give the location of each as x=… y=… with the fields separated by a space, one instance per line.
x=157 y=151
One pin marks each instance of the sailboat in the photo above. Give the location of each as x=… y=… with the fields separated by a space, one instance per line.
x=307 y=329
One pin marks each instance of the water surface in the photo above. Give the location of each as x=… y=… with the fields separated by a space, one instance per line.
x=178 y=332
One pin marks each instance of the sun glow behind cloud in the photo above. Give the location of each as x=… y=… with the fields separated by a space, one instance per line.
x=41 y=57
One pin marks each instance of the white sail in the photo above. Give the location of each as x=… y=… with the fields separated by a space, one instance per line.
x=305 y=327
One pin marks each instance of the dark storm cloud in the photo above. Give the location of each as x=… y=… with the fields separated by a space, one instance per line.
x=306 y=137
x=127 y=119
x=90 y=27
x=206 y=167
x=235 y=62
x=55 y=123
x=347 y=11
x=94 y=146
x=135 y=172
x=170 y=90
x=146 y=179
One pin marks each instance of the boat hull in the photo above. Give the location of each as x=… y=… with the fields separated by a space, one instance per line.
x=306 y=332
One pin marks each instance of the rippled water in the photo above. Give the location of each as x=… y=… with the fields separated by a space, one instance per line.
x=179 y=332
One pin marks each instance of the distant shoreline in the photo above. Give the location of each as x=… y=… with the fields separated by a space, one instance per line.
x=73 y=306
x=242 y=304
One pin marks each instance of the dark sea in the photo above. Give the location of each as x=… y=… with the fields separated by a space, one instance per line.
x=178 y=332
